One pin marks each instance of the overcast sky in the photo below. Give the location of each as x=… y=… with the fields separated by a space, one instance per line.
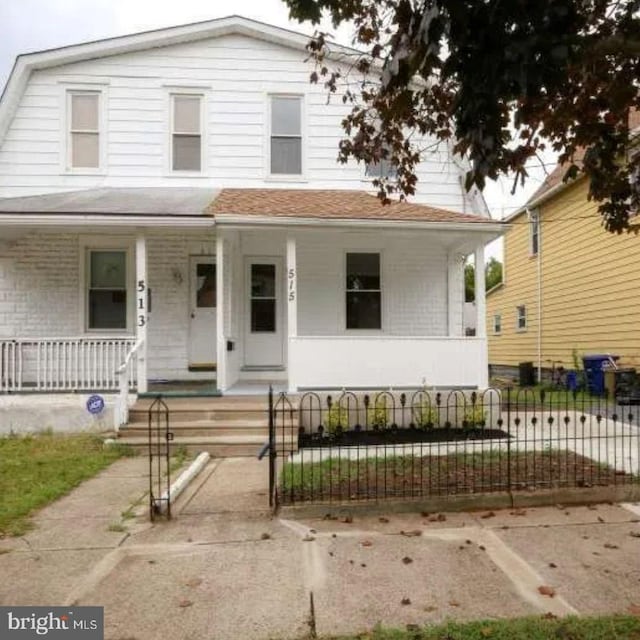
x=32 y=25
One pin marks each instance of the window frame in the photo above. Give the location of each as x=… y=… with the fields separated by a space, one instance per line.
x=286 y=177
x=67 y=132
x=521 y=316
x=86 y=246
x=345 y=291
x=534 y=233
x=497 y=326
x=186 y=93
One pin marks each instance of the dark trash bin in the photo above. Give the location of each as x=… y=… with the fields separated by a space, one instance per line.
x=594 y=366
x=527 y=374
x=572 y=381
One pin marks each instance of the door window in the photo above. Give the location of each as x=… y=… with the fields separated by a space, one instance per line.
x=263 y=298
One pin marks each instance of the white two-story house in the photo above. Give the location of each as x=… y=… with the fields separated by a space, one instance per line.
x=170 y=201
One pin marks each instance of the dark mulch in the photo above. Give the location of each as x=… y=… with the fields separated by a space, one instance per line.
x=371 y=437
x=414 y=476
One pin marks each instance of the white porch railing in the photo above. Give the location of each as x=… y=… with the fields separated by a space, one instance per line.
x=125 y=373
x=376 y=361
x=63 y=364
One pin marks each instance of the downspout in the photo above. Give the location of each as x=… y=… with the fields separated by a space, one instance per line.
x=539 y=291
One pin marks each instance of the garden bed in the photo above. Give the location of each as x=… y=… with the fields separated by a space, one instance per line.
x=438 y=475
x=372 y=437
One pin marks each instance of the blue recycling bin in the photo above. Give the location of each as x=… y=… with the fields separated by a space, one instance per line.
x=594 y=371
x=572 y=381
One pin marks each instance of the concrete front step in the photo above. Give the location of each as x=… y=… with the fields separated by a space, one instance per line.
x=209 y=428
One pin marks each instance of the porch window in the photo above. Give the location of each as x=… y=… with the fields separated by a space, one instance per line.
x=286 y=135
x=107 y=289
x=84 y=130
x=186 y=134
x=364 y=308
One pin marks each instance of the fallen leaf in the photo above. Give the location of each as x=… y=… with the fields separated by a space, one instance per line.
x=608 y=545
x=331 y=553
x=347 y=519
x=328 y=516
x=600 y=519
x=424 y=514
x=411 y=534
x=441 y=517
x=547 y=591
x=363 y=565
x=383 y=520
x=519 y=512
x=312 y=531
x=486 y=632
x=469 y=541
x=408 y=560
x=367 y=543
x=194 y=582
x=265 y=536
x=489 y=514
x=334 y=535
x=430 y=608
x=592 y=507
x=308 y=538
x=504 y=526
x=405 y=601
x=553 y=565
x=634 y=609
x=482 y=547
x=185 y=603
x=454 y=603
x=635 y=534
x=413 y=628
x=550 y=616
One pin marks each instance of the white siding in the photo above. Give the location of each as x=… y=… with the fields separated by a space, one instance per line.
x=236 y=74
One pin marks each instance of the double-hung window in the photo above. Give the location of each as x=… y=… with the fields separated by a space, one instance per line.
x=186 y=132
x=534 y=233
x=521 y=318
x=106 y=289
x=286 y=136
x=385 y=168
x=84 y=130
x=363 y=291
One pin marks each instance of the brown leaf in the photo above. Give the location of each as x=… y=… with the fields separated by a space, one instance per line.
x=454 y=603
x=553 y=565
x=265 y=536
x=383 y=520
x=430 y=608
x=482 y=547
x=547 y=591
x=635 y=534
x=308 y=538
x=411 y=534
x=608 y=545
x=367 y=543
x=600 y=519
x=347 y=519
x=408 y=560
x=194 y=582
x=405 y=601
x=328 y=516
x=185 y=603
x=489 y=514
x=424 y=514
x=634 y=609
x=519 y=512
x=550 y=616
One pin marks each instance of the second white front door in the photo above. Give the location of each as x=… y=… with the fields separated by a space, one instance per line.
x=264 y=330
x=202 y=313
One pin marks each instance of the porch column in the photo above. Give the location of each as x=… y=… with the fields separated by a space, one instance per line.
x=221 y=351
x=292 y=308
x=141 y=310
x=454 y=301
x=481 y=317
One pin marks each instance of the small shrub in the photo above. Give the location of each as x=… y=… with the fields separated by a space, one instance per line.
x=473 y=415
x=378 y=414
x=427 y=415
x=337 y=419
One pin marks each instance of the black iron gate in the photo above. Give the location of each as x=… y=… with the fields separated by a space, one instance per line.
x=159 y=444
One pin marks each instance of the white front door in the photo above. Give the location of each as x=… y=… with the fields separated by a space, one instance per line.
x=202 y=313
x=264 y=331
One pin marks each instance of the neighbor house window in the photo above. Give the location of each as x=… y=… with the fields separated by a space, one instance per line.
x=364 y=308
x=383 y=169
x=286 y=135
x=84 y=130
x=521 y=317
x=107 y=289
x=534 y=233
x=186 y=133
x=497 y=323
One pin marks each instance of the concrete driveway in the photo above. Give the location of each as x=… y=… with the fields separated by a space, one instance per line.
x=224 y=568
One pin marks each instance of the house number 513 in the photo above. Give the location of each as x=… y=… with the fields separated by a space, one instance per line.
x=292 y=284
x=142 y=320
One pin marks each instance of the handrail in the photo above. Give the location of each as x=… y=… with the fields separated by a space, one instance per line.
x=121 y=408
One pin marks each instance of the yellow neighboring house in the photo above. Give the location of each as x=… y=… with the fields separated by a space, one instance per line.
x=569 y=286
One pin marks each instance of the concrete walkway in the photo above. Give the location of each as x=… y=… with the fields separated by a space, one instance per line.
x=223 y=568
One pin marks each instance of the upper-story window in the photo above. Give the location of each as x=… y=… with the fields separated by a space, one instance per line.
x=534 y=233
x=286 y=136
x=186 y=132
x=383 y=169
x=521 y=317
x=84 y=130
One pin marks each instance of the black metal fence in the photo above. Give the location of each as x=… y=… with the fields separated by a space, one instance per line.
x=368 y=446
x=159 y=444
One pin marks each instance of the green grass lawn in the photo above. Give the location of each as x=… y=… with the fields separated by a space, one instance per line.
x=540 y=628
x=35 y=470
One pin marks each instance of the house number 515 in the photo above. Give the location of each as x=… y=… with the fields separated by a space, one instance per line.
x=142 y=320
x=292 y=284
